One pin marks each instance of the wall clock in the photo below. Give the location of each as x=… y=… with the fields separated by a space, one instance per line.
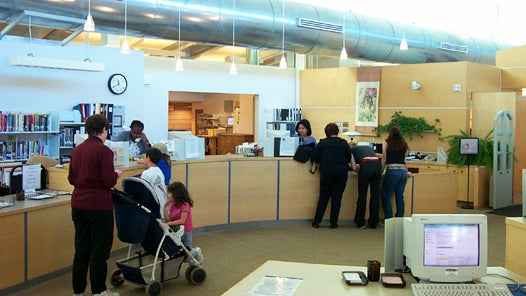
x=117 y=84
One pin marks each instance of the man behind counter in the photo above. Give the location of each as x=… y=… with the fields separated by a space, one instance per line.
x=135 y=136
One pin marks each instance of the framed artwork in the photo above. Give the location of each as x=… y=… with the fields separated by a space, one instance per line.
x=367 y=103
x=469 y=146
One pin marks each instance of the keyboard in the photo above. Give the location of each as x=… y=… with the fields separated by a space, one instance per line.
x=460 y=290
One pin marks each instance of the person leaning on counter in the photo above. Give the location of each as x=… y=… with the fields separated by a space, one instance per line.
x=136 y=137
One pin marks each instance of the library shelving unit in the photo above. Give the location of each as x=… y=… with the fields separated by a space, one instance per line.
x=285 y=119
x=23 y=135
x=67 y=135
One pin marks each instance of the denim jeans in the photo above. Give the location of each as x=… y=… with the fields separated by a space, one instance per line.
x=394 y=181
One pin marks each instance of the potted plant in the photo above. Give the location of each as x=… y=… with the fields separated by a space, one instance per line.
x=409 y=126
x=483 y=158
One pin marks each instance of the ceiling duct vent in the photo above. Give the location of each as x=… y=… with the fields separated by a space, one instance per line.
x=453 y=47
x=317 y=25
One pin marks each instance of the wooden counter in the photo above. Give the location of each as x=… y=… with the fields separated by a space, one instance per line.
x=478 y=180
x=36 y=237
x=515 y=242
x=245 y=189
x=58 y=177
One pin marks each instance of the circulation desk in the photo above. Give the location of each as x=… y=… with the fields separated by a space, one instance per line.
x=37 y=236
x=231 y=189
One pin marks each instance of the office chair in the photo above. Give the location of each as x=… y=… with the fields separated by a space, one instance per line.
x=45 y=161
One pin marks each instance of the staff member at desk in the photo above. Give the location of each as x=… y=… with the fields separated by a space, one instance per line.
x=92 y=173
x=136 y=137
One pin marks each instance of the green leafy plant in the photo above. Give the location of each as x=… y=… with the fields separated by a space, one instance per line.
x=483 y=158
x=410 y=126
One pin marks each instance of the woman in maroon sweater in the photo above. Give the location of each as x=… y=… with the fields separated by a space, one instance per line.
x=92 y=174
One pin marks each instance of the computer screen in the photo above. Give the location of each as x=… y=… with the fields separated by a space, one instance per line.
x=446 y=247
x=230 y=121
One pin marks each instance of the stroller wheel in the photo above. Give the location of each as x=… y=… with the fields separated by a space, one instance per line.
x=117 y=279
x=153 y=289
x=195 y=275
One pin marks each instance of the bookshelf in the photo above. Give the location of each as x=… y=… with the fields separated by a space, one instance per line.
x=67 y=135
x=23 y=135
x=284 y=120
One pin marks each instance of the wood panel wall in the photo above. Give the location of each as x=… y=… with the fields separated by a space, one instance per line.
x=328 y=95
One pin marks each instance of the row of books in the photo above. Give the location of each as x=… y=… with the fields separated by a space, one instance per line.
x=287 y=114
x=88 y=109
x=67 y=135
x=23 y=122
x=21 y=149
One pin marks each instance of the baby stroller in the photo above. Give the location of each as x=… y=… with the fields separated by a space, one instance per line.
x=138 y=221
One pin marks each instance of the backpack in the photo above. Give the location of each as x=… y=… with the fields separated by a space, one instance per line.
x=303 y=154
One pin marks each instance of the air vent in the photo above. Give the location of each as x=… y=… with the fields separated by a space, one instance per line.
x=317 y=25
x=453 y=47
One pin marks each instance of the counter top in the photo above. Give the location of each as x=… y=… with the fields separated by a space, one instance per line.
x=29 y=205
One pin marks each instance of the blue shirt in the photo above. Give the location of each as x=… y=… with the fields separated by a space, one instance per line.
x=166 y=169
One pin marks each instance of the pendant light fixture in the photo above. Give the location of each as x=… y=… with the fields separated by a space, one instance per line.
x=283 y=61
x=178 y=62
x=233 y=67
x=89 y=24
x=343 y=53
x=125 y=47
x=403 y=43
x=30 y=54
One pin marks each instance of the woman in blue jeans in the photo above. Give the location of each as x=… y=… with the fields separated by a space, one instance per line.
x=394 y=150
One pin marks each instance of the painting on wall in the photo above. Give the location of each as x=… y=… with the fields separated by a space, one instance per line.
x=367 y=103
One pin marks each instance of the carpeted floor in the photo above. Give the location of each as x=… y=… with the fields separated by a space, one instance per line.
x=510 y=211
x=230 y=255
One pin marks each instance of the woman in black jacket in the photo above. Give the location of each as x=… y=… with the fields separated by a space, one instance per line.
x=334 y=155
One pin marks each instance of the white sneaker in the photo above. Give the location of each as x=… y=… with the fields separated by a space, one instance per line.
x=199 y=254
x=81 y=294
x=107 y=293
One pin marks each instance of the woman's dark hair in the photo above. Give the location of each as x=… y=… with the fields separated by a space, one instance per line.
x=95 y=124
x=395 y=141
x=154 y=154
x=137 y=123
x=306 y=124
x=180 y=194
x=331 y=129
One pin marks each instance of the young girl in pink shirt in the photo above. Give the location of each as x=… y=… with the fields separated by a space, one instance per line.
x=177 y=211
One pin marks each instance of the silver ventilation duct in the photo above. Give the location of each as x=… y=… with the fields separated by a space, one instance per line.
x=308 y=29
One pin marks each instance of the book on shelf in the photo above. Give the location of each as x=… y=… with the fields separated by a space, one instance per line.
x=24 y=122
x=88 y=109
x=14 y=149
x=287 y=114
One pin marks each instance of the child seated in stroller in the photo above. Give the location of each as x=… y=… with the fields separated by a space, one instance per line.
x=177 y=211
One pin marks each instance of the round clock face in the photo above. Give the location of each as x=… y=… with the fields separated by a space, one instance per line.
x=117 y=84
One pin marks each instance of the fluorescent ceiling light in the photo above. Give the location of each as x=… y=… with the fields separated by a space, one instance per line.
x=49 y=63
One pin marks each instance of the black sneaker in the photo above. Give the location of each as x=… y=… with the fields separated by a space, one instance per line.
x=315 y=225
x=334 y=226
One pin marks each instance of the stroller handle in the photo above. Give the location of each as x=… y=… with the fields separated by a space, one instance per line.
x=129 y=200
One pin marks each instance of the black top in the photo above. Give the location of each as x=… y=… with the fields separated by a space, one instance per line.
x=360 y=152
x=395 y=157
x=333 y=154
